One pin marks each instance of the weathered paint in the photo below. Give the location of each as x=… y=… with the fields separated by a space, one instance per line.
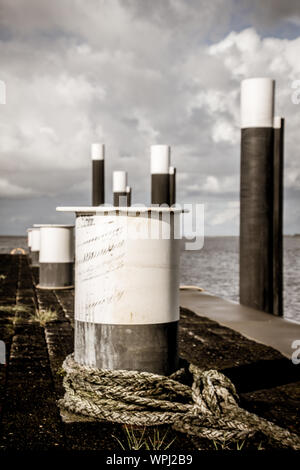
x=149 y=348
x=123 y=275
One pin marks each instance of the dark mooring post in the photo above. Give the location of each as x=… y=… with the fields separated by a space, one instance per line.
x=129 y=192
x=278 y=215
x=172 y=185
x=160 y=185
x=120 y=194
x=98 y=190
x=256 y=197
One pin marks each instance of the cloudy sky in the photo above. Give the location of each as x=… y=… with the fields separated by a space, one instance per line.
x=131 y=73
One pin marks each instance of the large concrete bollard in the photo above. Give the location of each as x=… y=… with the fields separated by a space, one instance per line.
x=56 y=258
x=127 y=288
x=35 y=247
x=256 y=209
x=98 y=180
x=160 y=184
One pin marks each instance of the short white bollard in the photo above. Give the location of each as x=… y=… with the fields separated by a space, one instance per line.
x=56 y=258
x=35 y=247
x=120 y=188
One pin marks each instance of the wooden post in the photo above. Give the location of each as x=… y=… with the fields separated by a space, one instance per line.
x=98 y=190
x=278 y=216
x=160 y=185
x=256 y=197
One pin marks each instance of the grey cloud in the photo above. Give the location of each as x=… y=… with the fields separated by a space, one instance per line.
x=130 y=73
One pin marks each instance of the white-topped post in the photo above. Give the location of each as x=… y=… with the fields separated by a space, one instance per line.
x=172 y=185
x=256 y=197
x=129 y=195
x=126 y=288
x=35 y=246
x=160 y=163
x=120 y=188
x=56 y=258
x=98 y=179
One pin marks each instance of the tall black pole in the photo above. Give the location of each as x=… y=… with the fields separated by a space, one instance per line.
x=129 y=194
x=119 y=188
x=172 y=185
x=278 y=215
x=98 y=189
x=160 y=186
x=256 y=197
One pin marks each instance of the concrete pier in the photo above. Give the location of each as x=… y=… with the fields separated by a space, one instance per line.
x=31 y=382
x=256 y=325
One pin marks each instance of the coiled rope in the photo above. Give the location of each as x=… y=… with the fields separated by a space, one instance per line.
x=208 y=409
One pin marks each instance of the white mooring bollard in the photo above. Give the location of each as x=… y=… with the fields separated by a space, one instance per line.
x=56 y=258
x=127 y=288
x=120 y=188
x=35 y=246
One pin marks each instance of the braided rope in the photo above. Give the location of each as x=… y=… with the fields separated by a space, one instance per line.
x=208 y=409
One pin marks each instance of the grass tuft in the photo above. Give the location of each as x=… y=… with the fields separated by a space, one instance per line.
x=15 y=308
x=137 y=440
x=45 y=316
